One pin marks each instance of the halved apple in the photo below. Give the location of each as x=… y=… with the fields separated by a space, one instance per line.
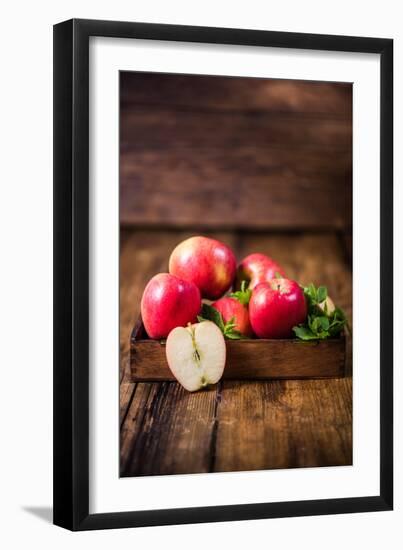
x=196 y=354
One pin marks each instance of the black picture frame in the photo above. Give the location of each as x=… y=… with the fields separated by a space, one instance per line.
x=71 y=274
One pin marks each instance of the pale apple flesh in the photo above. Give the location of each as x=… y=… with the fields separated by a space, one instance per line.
x=196 y=354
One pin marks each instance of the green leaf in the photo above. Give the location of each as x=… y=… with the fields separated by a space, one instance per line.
x=335 y=330
x=232 y=321
x=323 y=323
x=321 y=294
x=304 y=333
x=313 y=323
x=210 y=313
x=320 y=324
x=311 y=290
x=234 y=335
x=339 y=313
x=230 y=331
x=310 y=295
x=243 y=295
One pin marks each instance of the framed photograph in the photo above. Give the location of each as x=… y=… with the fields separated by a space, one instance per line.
x=223 y=274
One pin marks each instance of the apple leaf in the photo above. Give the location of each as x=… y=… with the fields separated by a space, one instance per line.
x=243 y=295
x=320 y=324
x=234 y=335
x=304 y=333
x=210 y=313
x=321 y=294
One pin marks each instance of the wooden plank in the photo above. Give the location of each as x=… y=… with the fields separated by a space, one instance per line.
x=283 y=424
x=235 y=173
x=133 y=421
x=163 y=129
x=246 y=359
x=251 y=188
x=199 y=92
x=126 y=394
x=170 y=432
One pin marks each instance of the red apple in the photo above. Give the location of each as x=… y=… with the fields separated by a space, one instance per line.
x=229 y=308
x=169 y=302
x=207 y=263
x=275 y=307
x=257 y=268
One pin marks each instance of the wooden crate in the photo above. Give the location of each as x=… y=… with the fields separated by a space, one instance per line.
x=254 y=359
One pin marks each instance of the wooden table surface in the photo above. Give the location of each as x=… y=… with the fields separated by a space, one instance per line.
x=235 y=425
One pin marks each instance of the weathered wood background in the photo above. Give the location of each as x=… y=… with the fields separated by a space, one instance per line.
x=264 y=165
x=235 y=152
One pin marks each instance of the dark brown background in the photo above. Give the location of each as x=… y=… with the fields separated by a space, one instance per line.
x=235 y=152
x=264 y=165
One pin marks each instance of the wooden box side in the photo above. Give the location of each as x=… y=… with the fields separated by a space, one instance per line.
x=247 y=359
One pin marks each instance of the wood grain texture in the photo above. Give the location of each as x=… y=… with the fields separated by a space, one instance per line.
x=168 y=430
x=227 y=152
x=162 y=129
x=126 y=394
x=283 y=424
x=239 y=94
x=246 y=359
x=237 y=425
x=256 y=188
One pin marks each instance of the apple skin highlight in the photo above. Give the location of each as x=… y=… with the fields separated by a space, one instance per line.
x=276 y=307
x=257 y=268
x=169 y=302
x=230 y=307
x=208 y=263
